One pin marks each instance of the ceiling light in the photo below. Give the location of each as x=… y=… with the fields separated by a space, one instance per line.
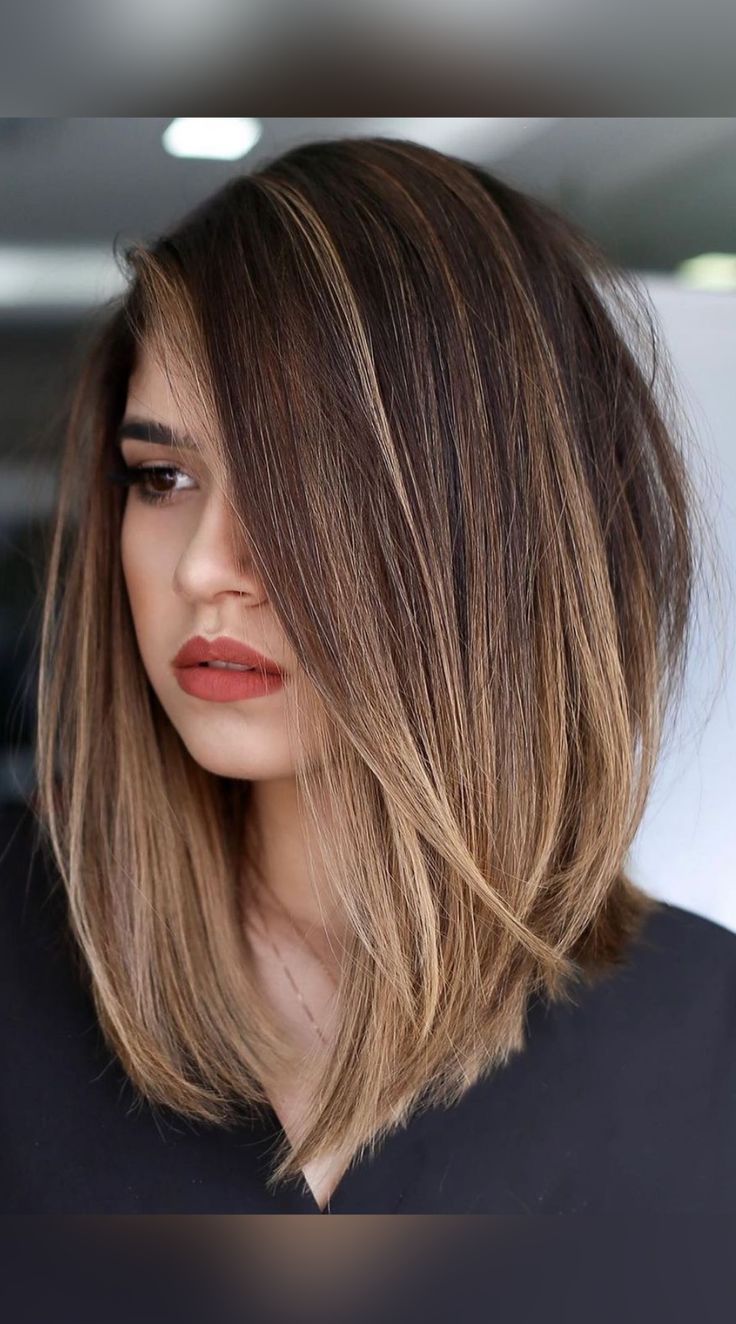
x=211 y=139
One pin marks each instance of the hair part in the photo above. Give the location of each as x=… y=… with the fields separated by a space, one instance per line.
x=426 y=396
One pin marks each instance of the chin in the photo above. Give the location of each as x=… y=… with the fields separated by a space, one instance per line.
x=220 y=761
x=216 y=759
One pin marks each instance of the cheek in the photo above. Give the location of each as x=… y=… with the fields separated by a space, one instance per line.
x=141 y=561
x=147 y=588
x=132 y=552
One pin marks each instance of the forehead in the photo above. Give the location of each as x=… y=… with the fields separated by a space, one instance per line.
x=160 y=409
x=153 y=390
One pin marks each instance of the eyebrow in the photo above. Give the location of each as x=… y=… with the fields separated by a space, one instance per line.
x=158 y=434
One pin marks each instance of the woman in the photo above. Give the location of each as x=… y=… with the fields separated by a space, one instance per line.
x=352 y=931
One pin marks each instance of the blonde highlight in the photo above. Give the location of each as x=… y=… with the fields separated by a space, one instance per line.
x=478 y=533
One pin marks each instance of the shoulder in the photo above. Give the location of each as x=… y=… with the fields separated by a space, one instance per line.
x=32 y=897
x=44 y=988
x=19 y=845
x=686 y=953
x=684 y=932
x=668 y=1006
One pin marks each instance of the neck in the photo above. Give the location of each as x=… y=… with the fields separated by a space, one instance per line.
x=288 y=866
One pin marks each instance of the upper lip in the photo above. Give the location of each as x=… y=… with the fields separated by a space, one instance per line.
x=223 y=649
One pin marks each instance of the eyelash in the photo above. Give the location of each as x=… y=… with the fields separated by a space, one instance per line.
x=138 y=475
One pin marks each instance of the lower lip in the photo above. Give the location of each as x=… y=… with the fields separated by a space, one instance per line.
x=222 y=686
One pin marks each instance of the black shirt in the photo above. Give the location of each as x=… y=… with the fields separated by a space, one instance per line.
x=623 y=1100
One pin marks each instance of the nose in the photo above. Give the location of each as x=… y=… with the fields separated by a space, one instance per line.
x=214 y=559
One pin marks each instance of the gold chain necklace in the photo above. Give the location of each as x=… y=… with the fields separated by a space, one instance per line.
x=279 y=904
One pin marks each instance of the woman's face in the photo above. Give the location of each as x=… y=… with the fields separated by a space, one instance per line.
x=181 y=581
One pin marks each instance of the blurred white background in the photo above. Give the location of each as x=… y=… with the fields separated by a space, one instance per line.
x=685 y=850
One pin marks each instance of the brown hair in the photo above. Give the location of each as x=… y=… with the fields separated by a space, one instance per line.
x=473 y=520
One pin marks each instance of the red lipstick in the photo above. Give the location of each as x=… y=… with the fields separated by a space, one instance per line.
x=196 y=674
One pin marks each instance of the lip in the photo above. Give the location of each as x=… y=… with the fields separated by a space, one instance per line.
x=218 y=685
x=223 y=649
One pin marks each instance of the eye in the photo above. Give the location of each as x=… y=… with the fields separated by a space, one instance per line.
x=145 y=476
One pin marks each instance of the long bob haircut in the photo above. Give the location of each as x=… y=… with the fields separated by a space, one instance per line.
x=431 y=402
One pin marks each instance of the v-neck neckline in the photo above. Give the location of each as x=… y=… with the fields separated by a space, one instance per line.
x=274 y=1127
x=358 y=1181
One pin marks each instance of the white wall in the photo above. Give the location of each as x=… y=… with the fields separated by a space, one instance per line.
x=685 y=850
